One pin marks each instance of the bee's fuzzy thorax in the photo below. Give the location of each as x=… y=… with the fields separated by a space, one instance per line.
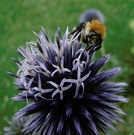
x=98 y=27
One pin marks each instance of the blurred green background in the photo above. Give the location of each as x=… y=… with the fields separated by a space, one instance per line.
x=18 y=18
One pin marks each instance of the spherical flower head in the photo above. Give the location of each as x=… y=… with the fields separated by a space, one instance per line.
x=92 y=14
x=64 y=89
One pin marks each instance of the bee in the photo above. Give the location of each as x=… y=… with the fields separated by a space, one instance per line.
x=90 y=33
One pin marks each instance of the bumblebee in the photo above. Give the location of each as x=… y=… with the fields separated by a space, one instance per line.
x=90 y=33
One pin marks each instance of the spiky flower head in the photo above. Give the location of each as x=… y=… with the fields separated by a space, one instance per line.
x=92 y=14
x=64 y=89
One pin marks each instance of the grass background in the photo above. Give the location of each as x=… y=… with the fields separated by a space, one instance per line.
x=18 y=18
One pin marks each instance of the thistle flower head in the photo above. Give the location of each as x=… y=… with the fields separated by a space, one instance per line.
x=91 y=14
x=64 y=89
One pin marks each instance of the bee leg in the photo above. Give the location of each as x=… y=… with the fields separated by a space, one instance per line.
x=78 y=28
x=92 y=48
x=89 y=47
x=97 y=46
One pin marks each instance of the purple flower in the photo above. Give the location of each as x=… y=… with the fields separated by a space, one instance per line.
x=91 y=14
x=64 y=90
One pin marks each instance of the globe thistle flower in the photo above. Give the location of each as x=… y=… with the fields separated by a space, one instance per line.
x=91 y=14
x=65 y=91
x=15 y=126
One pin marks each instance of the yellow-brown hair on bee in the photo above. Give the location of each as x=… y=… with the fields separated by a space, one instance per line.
x=98 y=27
